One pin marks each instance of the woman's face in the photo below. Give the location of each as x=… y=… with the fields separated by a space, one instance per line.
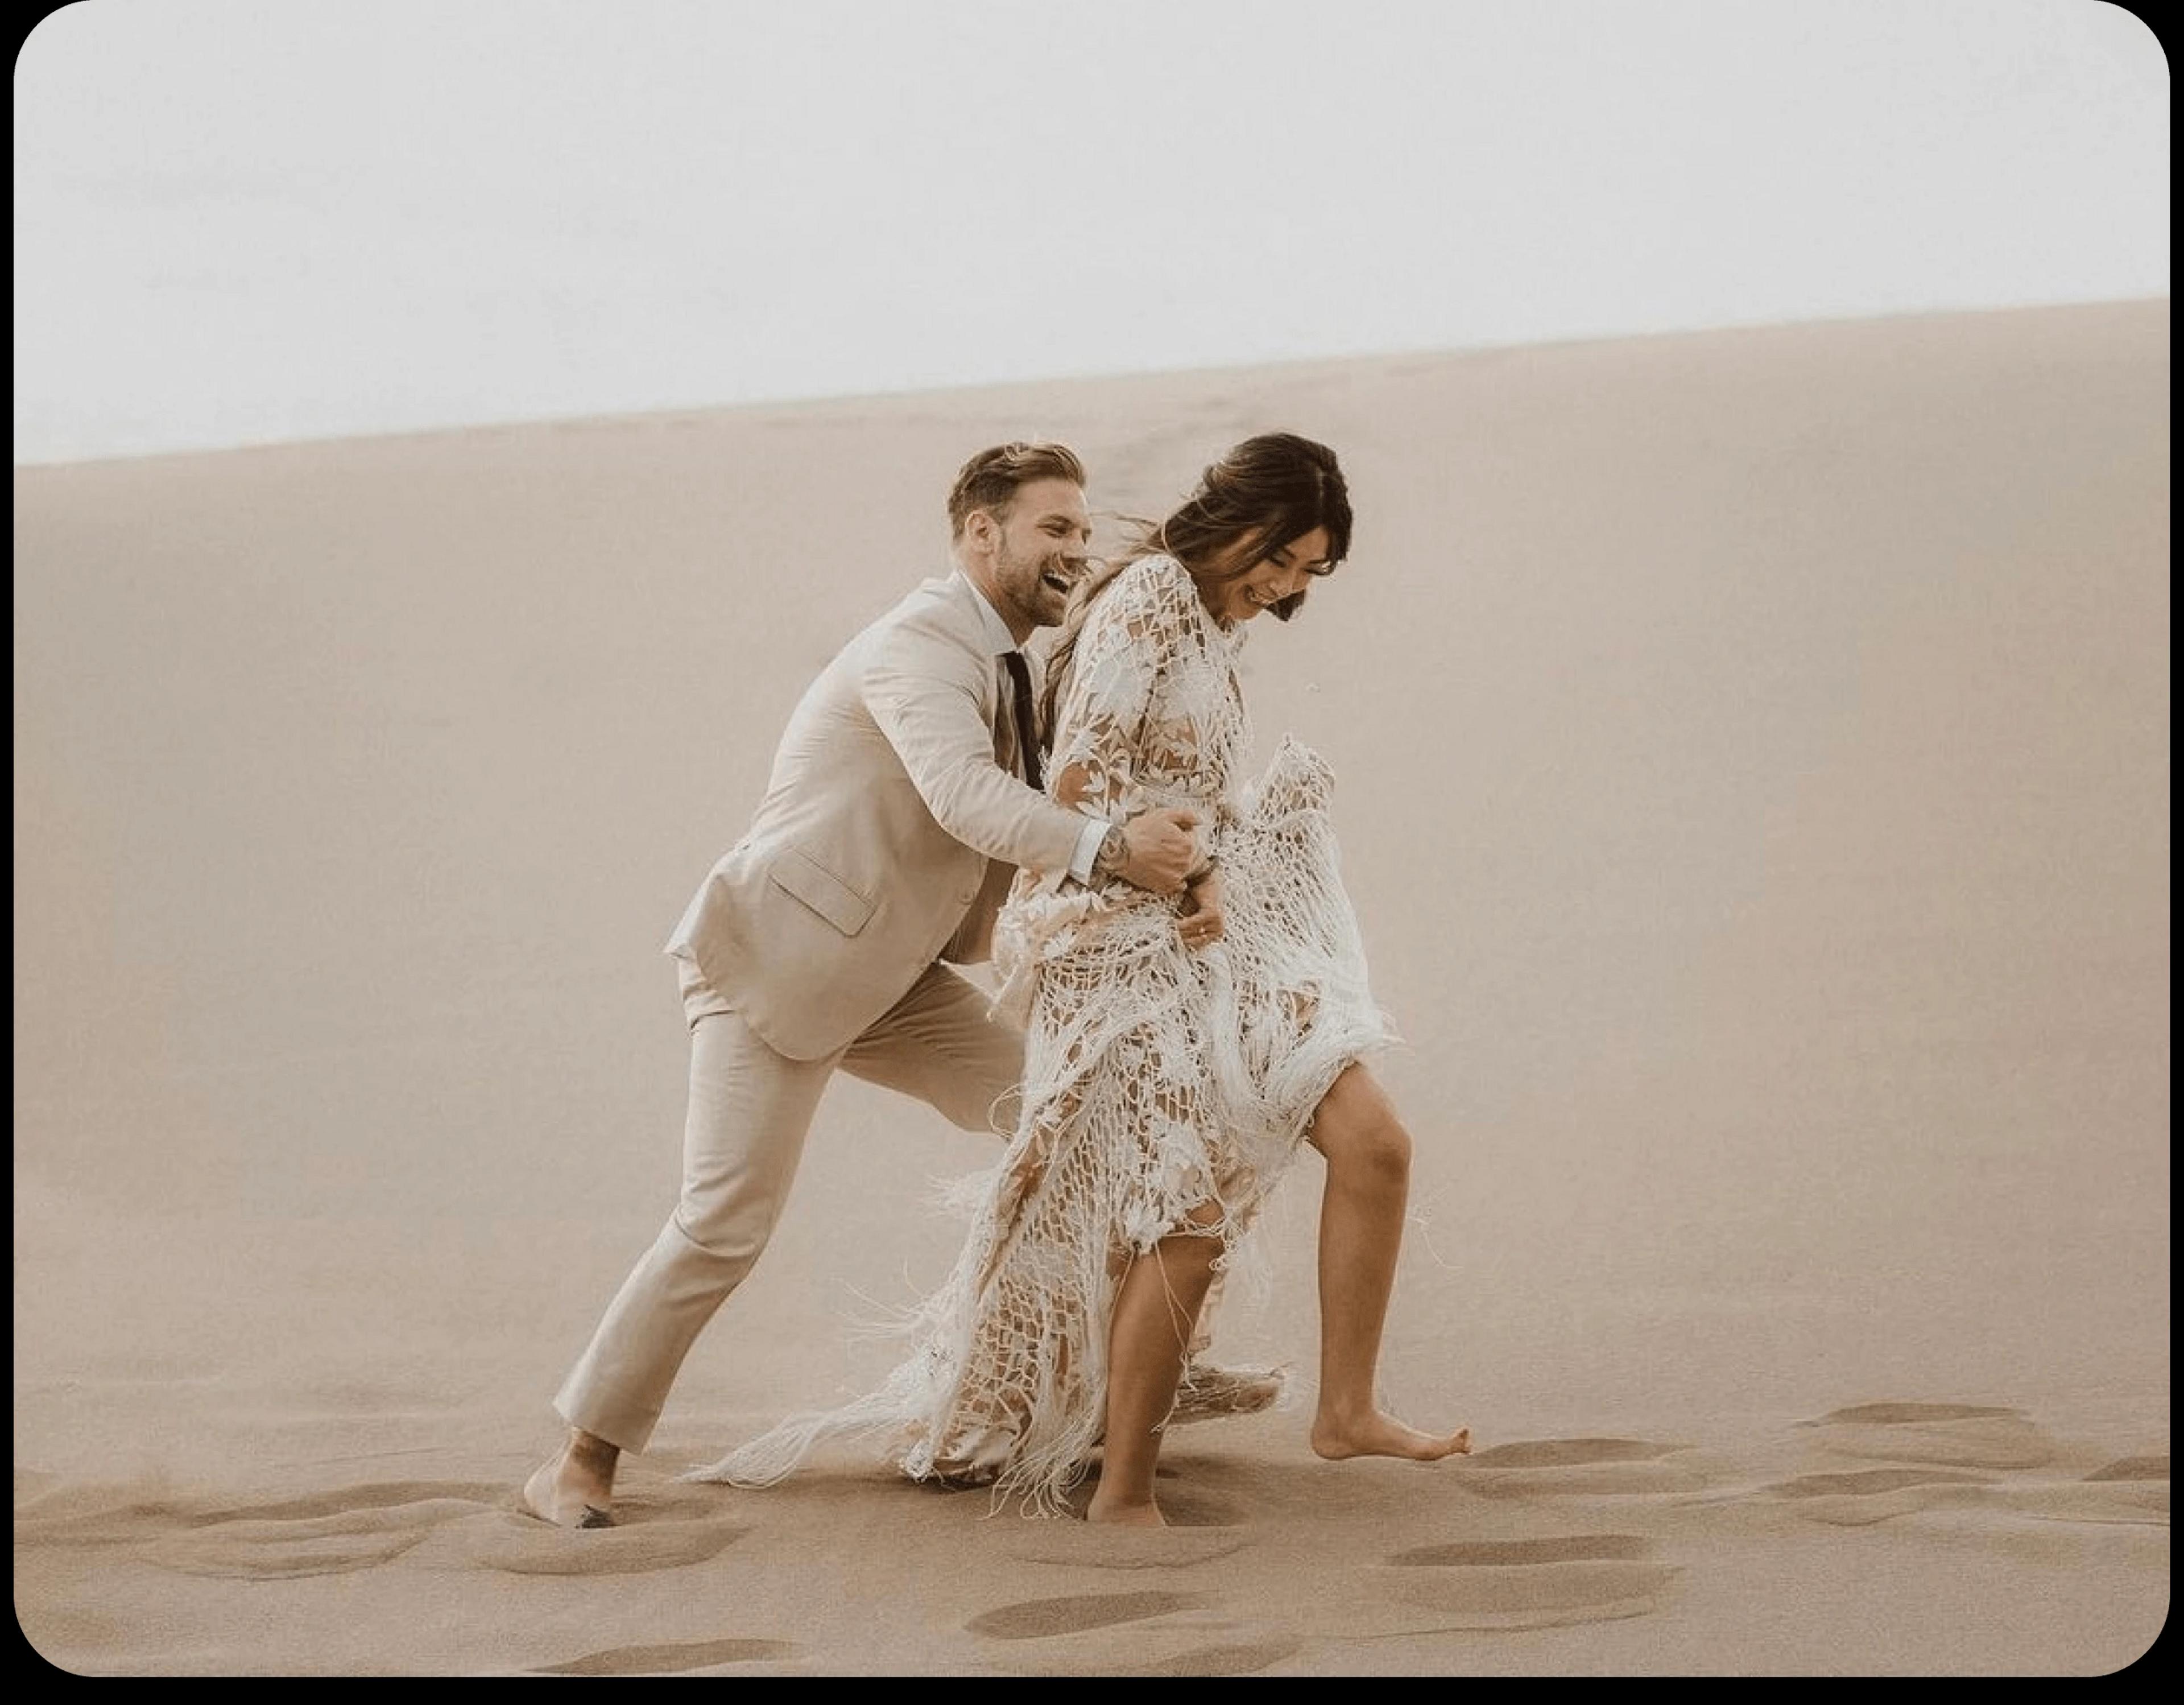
x=1280 y=573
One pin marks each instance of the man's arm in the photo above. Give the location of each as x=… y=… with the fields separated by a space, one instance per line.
x=923 y=692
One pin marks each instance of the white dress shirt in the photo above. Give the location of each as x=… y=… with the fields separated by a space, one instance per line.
x=1003 y=641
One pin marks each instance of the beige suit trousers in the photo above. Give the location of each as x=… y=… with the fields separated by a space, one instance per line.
x=748 y=1111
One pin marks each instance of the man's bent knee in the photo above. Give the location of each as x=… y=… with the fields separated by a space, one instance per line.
x=726 y=1228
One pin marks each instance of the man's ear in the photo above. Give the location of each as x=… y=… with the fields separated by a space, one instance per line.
x=979 y=530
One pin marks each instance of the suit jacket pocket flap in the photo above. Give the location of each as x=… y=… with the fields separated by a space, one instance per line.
x=822 y=889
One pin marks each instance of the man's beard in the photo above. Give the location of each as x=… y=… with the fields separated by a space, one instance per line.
x=1021 y=577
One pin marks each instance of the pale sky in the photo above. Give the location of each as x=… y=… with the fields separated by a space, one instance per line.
x=239 y=222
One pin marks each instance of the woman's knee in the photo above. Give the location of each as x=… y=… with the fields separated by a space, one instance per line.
x=1359 y=1131
x=1381 y=1155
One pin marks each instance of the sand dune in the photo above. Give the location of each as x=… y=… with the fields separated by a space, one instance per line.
x=1753 y=758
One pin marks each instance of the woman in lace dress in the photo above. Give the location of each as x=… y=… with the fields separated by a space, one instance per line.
x=1179 y=1050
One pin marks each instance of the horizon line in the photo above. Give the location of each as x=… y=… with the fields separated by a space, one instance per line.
x=1288 y=366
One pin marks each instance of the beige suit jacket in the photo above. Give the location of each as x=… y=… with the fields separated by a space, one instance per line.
x=873 y=853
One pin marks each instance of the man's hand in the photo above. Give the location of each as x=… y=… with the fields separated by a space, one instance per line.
x=1201 y=924
x=1159 y=850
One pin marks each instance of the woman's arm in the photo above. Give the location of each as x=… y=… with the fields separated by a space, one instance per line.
x=1101 y=723
x=1101 y=719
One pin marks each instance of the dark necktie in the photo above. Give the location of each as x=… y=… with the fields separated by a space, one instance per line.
x=1027 y=727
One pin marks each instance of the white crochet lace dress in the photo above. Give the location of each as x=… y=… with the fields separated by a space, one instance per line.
x=1159 y=1081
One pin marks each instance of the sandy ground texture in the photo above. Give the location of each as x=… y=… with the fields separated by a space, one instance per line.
x=1753 y=779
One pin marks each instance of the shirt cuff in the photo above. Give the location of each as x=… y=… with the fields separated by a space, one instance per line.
x=1087 y=848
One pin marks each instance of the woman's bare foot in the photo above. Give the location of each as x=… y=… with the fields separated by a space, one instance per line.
x=1115 y=1513
x=1375 y=1435
x=576 y=1490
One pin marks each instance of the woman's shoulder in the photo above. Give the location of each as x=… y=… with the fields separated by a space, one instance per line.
x=1158 y=569
x=1150 y=605
x=1159 y=582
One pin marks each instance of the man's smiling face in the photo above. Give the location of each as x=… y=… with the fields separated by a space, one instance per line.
x=1039 y=550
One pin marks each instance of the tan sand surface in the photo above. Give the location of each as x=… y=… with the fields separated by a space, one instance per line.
x=1754 y=781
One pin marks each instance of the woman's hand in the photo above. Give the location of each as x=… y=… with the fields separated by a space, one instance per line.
x=1201 y=922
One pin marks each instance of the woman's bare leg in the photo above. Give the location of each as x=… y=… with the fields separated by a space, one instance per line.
x=1155 y=1310
x=1361 y=1233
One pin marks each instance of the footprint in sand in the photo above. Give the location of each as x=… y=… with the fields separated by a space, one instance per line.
x=2138 y=1468
x=1040 y=1618
x=1874 y=1494
x=1077 y=1545
x=1965 y=1435
x=1580 y=1468
x=1047 y=1618
x=668 y=1660
x=1232 y=1658
x=2133 y=1489
x=1531 y=1583
x=1202 y=1525
x=362 y=1526
x=384 y=1494
x=1245 y=1657
x=523 y=1544
x=2140 y=1481
x=335 y=1541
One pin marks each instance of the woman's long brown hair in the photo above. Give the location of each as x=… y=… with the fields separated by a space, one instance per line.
x=1265 y=492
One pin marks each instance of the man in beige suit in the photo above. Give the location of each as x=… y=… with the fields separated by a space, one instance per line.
x=904 y=794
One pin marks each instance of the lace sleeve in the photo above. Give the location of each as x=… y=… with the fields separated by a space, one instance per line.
x=1102 y=727
x=1101 y=724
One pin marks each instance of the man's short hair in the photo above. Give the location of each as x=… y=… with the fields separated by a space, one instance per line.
x=990 y=480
